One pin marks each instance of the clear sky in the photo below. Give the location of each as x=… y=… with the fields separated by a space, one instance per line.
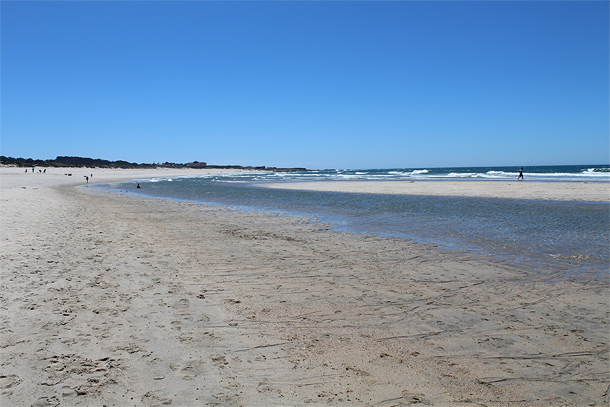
x=308 y=84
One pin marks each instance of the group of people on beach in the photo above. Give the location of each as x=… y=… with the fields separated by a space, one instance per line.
x=44 y=171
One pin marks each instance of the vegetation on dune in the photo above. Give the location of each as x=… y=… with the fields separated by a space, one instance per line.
x=65 y=161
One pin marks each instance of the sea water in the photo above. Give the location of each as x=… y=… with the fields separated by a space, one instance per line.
x=557 y=239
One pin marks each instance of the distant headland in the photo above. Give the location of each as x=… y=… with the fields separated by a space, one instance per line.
x=66 y=161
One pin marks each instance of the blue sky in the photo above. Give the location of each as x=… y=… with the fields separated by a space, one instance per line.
x=308 y=84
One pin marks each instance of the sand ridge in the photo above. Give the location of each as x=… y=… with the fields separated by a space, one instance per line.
x=117 y=299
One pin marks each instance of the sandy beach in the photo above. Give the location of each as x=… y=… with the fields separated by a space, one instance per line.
x=122 y=300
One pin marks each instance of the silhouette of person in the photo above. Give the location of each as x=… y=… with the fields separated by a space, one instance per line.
x=138 y=186
x=520 y=174
x=87 y=178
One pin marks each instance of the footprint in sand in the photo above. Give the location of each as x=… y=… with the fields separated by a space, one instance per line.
x=266 y=387
x=151 y=399
x=413 y=398
x=188 y=370
x=182 y=304
x=6 y=382
x=67 y=391
x=220 y=360
x=46 y=402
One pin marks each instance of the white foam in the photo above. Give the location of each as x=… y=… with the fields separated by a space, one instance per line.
x=455 y=175
x=592 y=174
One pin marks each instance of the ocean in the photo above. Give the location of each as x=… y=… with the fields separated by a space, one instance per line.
x=554 y=239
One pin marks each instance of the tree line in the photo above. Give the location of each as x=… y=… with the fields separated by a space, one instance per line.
x=65 y=161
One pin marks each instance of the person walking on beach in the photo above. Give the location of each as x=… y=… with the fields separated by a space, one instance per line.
x=520 y=174
x=87 y=178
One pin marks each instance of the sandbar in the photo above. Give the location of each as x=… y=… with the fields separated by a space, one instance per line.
x=118 y=299
x=566 y=191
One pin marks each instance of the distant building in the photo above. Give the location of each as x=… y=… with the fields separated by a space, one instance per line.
x=196 y=164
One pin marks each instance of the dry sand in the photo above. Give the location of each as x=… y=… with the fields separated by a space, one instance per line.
x=122 y=300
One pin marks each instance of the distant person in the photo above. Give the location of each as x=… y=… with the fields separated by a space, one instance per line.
x=45 y=171
x=26 y=170
x=87 y=178
x=138 y=186
x=520 y=174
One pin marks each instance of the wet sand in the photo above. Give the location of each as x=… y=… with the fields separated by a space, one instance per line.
x=123 y=300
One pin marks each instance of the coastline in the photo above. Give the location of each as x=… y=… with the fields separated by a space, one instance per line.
x=564 y=191
x=598 y=191
x=121 y=299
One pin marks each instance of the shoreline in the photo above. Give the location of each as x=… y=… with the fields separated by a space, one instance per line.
x=129 y=300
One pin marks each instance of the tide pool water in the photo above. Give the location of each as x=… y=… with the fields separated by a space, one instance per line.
x=554 y=238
